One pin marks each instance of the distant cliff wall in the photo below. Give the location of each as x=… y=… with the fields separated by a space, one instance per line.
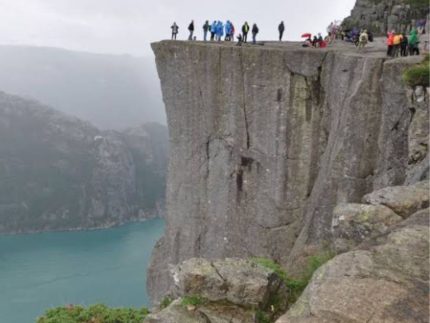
x=60 y=173
x=265 y=141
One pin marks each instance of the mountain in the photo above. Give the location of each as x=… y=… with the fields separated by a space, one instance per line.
x=60 y=173
x=112 y=92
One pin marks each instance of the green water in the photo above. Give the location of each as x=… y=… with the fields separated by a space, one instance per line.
x=39 y=271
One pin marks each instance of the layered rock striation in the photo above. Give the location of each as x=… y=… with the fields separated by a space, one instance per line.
x=265 y=141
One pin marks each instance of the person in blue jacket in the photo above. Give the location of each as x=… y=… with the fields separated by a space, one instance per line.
x=213 y=30
x=220 y=30
x=228 y=28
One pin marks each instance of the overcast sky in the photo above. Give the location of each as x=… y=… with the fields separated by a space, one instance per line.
x=128 y=26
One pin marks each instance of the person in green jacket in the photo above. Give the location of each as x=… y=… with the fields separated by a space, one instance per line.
x=414 y=43
x=245 y=30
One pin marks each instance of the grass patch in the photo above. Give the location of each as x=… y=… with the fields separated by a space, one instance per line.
x=166 y=302
x=262 y=317
x=94 y=314
x=296 y=286
x=418 y=74
x=193 y=300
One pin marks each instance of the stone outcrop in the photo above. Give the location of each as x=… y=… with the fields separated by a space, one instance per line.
x=404 y=200
x=384 y=15
x=60 y=173
x=237 y=281
x=385 y=280
x=266 y=141
x=230 y=290
x=353 y=223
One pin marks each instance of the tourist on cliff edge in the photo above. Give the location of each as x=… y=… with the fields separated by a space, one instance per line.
x=404 y=46
x=281 y=29
x=413 y=43
x=390 y=43
x=397 y=40
x=191 y=30
x=255 y=31
x=206 y=28
x=219 y=30
x=245 y=30
x=213 y=30
x=175 y=30
x=228 y=31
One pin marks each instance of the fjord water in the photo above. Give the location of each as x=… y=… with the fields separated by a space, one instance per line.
x=39 y=271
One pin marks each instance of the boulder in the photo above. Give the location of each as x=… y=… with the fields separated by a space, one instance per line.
x=223 y=291
x=353 y=223
x=237 y=281
x=403 y=200
x=175 y=313
x=208 y=313
x=388 y=282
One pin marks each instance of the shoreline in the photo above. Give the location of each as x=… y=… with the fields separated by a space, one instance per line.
x=82 y=229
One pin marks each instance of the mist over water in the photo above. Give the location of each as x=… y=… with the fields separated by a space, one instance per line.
x=40 y=271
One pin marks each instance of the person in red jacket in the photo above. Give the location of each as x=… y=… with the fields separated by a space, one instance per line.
x=390 y=43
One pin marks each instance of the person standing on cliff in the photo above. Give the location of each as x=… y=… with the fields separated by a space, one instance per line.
x=228 y=31
x=191 y=30
x=213 y=30
x=255 y=31
x=219 y=30
x=175 y=30
x=397 y=40
x=404 y=46
x=390 y=43
x=281 y=29
x=413 y=43
x=206 y=28
x=245 y=31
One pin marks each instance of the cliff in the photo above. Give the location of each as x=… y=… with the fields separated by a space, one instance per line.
x=60 y=173
x=266 y=140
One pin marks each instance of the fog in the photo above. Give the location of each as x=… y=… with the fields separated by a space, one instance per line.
x=124 y=92
x=128 y=26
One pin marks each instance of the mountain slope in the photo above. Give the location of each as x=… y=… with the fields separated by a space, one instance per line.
x=58 y=172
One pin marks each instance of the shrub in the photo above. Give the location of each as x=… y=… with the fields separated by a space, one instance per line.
x=262 y=317
x=418 y=74
x=296 y=285
x=166 y=302
x=94 y=314
x=193 y=300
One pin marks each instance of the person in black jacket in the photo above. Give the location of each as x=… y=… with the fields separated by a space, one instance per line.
x=175 y=30
x=206 y=28
x=281 y=29
x=191 y=30
x=404 y=46
x=255 y=31
x=245 y=30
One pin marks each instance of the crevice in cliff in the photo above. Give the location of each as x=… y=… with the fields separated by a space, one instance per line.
x=245 y=165
x=245 y=116
x=225 y=285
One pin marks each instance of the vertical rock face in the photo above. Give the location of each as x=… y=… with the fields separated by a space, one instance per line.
x=265 y=141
